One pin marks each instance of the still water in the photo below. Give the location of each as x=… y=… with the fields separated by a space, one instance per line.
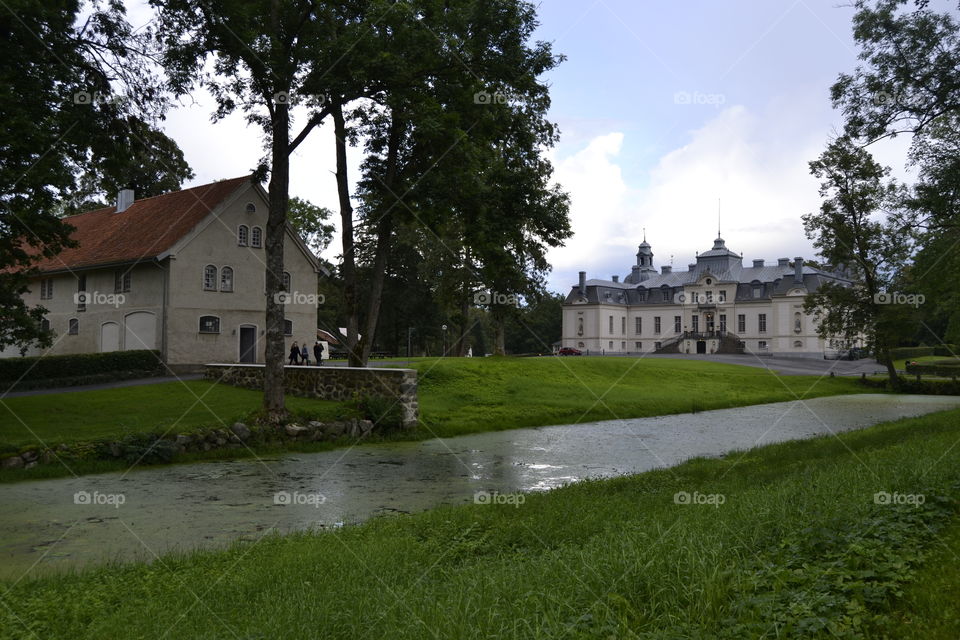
x=61 y=524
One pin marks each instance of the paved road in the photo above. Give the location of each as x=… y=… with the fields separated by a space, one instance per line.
x=103 y=385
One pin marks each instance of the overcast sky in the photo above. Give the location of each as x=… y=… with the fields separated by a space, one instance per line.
x=664 y=109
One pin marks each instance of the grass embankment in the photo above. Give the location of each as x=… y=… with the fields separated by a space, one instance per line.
x=457 y=396
x=797 y=547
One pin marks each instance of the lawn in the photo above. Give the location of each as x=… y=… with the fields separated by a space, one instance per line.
x=787 y=541
x=457 y=396
x=113 y=413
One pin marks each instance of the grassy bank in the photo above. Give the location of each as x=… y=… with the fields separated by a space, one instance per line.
x=788 y=541
x=457 y=396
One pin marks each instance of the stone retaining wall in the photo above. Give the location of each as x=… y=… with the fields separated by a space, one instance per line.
x=331 y=383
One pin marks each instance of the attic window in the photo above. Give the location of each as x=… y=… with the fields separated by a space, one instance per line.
x=709 y=281
x=251 y=208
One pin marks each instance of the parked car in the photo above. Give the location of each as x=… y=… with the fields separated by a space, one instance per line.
x=569 y=351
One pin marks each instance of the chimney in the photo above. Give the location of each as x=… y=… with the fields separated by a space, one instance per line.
x=124 y=199
x=665 y=269
x=583 y=283
x=798 y=270
x=691 y=267
x=783 y=262
x=758 y=263
x=615 y=278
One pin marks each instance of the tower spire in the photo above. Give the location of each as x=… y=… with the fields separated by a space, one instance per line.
x=718 y=217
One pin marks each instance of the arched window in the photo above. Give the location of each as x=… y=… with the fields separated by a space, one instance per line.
x=243 y=234
x=210 y=278
x=73 y=327
x=251 y=208
x=256 y=239
x=45 y=325
x=209 y=324
x=288 y=327
x=285 y=282
x=226 y=279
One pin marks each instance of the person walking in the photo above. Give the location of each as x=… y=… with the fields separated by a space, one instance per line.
x=318 y=353
x=305 y=355
x=294 y=353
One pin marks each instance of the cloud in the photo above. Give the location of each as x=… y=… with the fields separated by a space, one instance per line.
x=755 y=164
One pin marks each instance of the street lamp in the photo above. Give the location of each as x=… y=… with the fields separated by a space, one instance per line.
x=444 y=328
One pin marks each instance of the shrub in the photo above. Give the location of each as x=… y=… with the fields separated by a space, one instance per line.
x=385 y=413
x=78 y=365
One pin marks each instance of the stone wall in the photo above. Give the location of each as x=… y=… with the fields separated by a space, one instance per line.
x=331 y=383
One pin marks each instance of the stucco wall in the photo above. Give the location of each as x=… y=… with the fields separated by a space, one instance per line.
x=331 y=383
x=216 y=244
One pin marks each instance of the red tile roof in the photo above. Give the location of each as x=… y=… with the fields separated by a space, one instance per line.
x=144 y=230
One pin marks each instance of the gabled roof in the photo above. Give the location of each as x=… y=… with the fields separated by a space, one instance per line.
x=145 y=230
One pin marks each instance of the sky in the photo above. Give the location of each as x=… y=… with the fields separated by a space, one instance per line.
x=672 y=114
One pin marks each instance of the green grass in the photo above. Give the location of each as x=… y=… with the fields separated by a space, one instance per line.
x=799 y=548
x=457 y=396
x=113 y=413
x=460 y=395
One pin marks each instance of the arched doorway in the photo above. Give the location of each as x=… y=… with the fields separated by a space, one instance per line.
x=140 y=331
x=109 y=337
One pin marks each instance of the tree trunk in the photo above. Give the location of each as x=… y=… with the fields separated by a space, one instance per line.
x=461 y=350
x=346 y=228
x=891 y=369
x=273 y=400
x=499 y=333
x=384 y=232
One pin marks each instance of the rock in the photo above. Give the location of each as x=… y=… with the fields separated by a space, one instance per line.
x=62 y=447
x=366 y=426
x=30 y=465
x=47 y=456
x=206 y=446
x=221 y=441
x=183 y=440
x=14 y=462
x=314 y=424
x=294 y=430
x=240 y=430
x=29 y=456
x=334 y=428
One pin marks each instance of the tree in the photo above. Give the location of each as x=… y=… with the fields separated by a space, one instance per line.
x=263 y=53
x=77 y=97
x=856 y=229
x=909 y=84
x=310 y=221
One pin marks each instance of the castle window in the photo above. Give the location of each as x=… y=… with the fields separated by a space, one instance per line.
x=45 y=325
x=121 y=281
x=243 y=234
x=696 y=323
x=209 y=324
x=256 y=238
x=46 y=288
x=73 y=327
x=285 y=283
x=251 y=208
x=638 y=346
x=623 y=326
x=757 y=291
x=741 y=323
x=210 y=278
x=611 y=325
x=226 y=279
x=677 y=324
x=638 y=325
x=656 y=325
x=762 y=323
x=288 y=327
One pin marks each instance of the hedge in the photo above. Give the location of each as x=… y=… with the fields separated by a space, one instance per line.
x=78 y=365
x=934 y=369
x=903 y=353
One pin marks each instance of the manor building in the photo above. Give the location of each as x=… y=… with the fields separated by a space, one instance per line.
x=182 y=273
x=717 y=305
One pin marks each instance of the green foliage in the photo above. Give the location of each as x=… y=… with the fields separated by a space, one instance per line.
x=800 y=549
x=50 y=368
x=385 y=413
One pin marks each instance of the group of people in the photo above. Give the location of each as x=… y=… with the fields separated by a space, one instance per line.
x=301 y=355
